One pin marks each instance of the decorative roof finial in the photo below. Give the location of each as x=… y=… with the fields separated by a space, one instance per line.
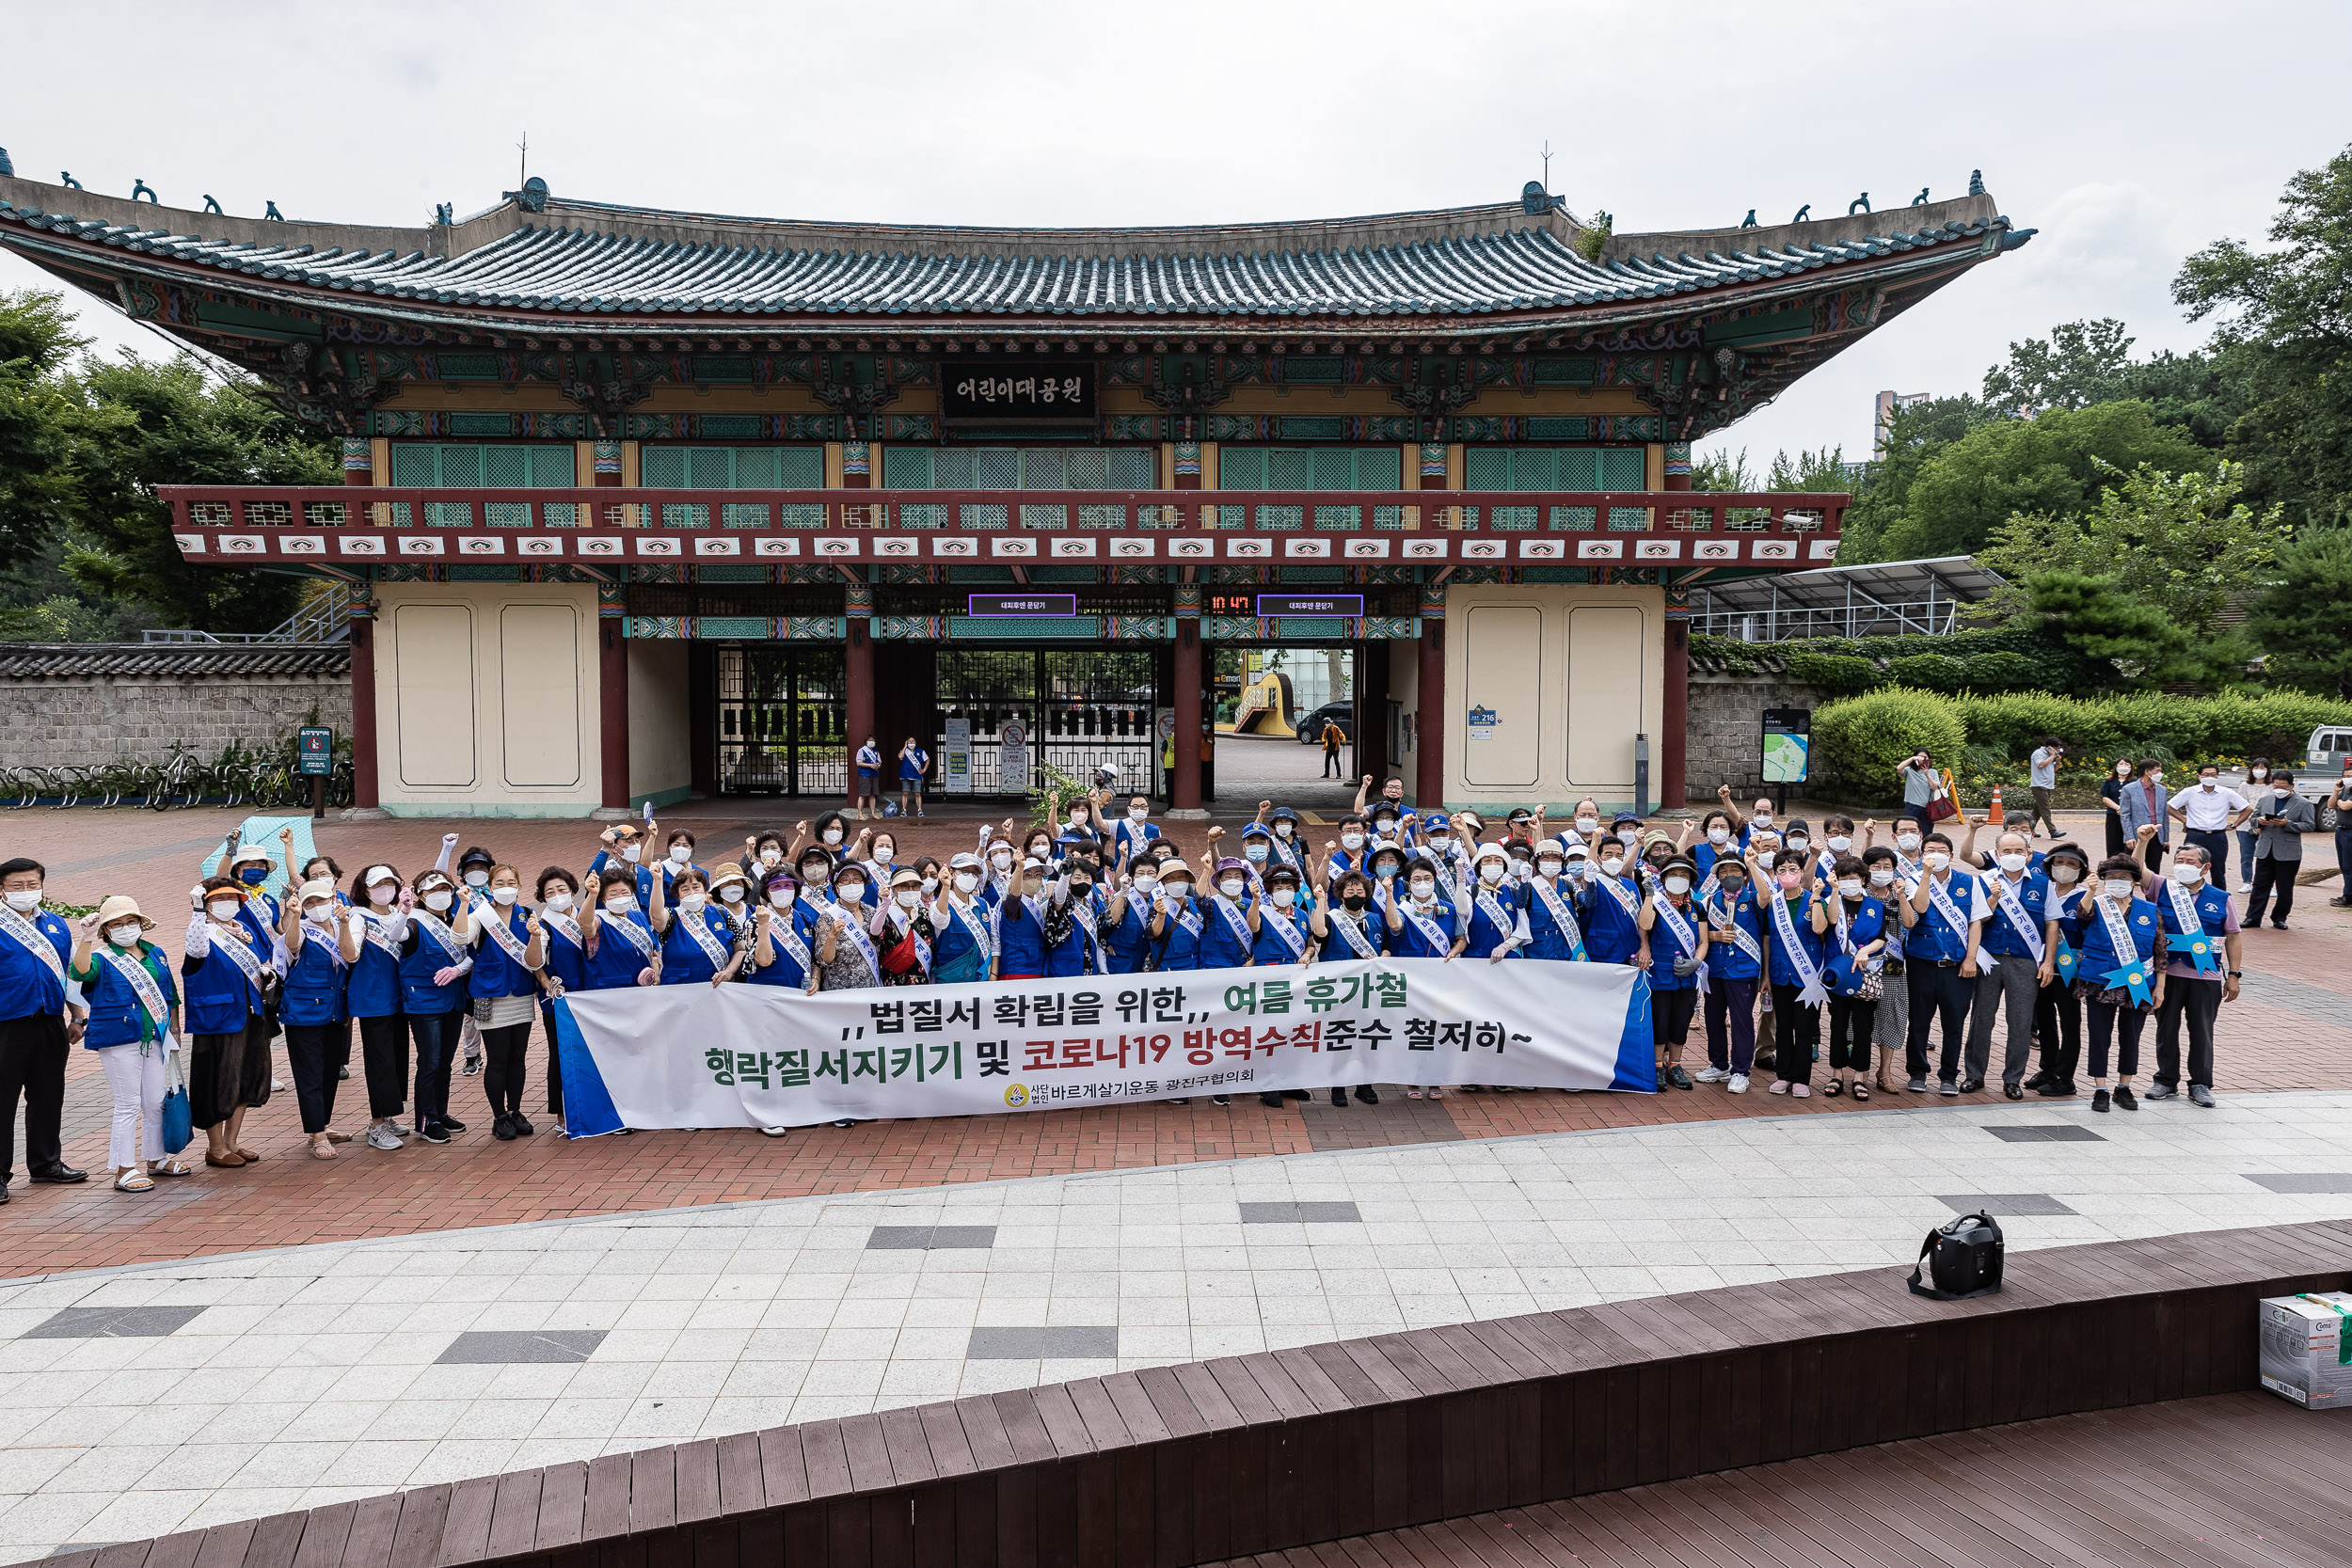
x=533 y=197
x=271 y=214
x=442 y=214
x=64 y=178
x=1859 y=204
x=210 y=205
x=1748 y=222
x=1804 y=214
x=1921 y=199
x=141 y=188
x=7 y=167
x=1975 y=181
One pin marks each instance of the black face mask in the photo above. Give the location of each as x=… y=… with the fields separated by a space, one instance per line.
x=1732 y=889
x=1354 y=903
x=1079 y=890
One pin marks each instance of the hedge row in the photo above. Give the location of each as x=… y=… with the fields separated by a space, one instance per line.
x=2003 y=660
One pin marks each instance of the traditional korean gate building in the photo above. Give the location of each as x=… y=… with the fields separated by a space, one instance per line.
x=643 y=503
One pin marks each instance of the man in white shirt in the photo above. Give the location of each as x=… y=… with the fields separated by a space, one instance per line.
x=2044 y=782
x=2206 y=812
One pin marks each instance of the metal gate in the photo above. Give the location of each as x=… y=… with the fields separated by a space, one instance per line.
x=1080 y=708
x=781 y=718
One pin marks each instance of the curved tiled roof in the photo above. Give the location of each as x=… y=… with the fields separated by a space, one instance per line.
x=605 y=271
x=33 y=661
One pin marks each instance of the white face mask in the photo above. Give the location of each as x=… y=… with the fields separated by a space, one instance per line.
x=907 y=897
x=2065 y=873
x=692 y=900
x=382 y=894
x=2282 y=791
x=1385 y=827
x=1762 y=819
x=1907 y=843
x=477 y=879
x=1423 y=892
x=1882 y=876
x=1001 y=860
x=1937 y=860
x=1077 y=819
x=439 y=898
x=832 y=835
x=504 y=895
x=127 y=933
x=1231 y=887
x=1677 y=885
x=2014 y=863
x=1351 y=841
x=631 y=851
x=2258 y=772
x=1283 y=829
x=931 y=885
x=2116 y=888
x=621 y=903
x=25 y=900
x=1797 y=843
x=1612 y=866
x=559 y=901
x=320 y=913
x=1839 y=845
x=781 y=898
x=966 y=881
x=1489 y=872
x=224 y=909
x=1136 y=814
x=1179 y=888
x=2188 y=876
x=1282 y=897
x=1546 y=869
x=1765 y=858
x=2156 y=777
x=681 y=853
x=2207 y=784
x=731 y=894
x=1719 y=835
x=849 y=893
x=771 y=857
x=1850 y=887
x=1591 y=824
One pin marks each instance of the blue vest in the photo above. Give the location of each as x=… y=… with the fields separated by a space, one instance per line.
x=1131 y=941
x=566 y=960
x=1725 y=958
x=1179 y=948
x=1221 y=946
x=1127 y=835
x=1932 y=937
x=2098 y=949
x=29 y=988
x=2001 y=937
x=683 y=960
x=1484 y=936
x=616 y=962
x=1864 y=927
x=1020 y=942
x=1610 y=935
x=1408 y=942
x=420 y=958
x=1665 y=948
x=117 y=1017
x=372 y=987
x=494 y=973
x=1075 y=954
x=1270 y=948
x=2212 y=911
x=1784 y=967
x=786 y=970
x=314 y=993
x=219 y=997
x=1371 y=920
x=1549 y=939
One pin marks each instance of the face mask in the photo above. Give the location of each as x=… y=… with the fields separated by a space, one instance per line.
x=477 y=879
x=1385 y=873
x=2065 y=873
x=321 y=915
x=849 y=893
x=1351 y=841
x=1385 y=827
x=439 y=898
x=2116 y=888
x=1677 y=885
x=2124 y=771
x=1040 y=851
x=1789 y=882
x=1612 y=866
x=781 y=898
x=25 y=900
x=1354 y=903
x=1136 y=814
x=621 y=903
x=1907 y=843
x=966 y=881
x=1590 y=824
x=2206 y=785
x=2188 y=876
x=1001 y=860
x=253 y=876
x=732 y=893
x=1765 y=858
x=222 y=908
x=1231 y=887
x=1180 y=887
x=1882 y=876
x=832 y=835
x=1256 y=853
x=1719 y=835
x=1423 y=892
x=1938 y=860
x=771 y=857
x=382 y=894
x=504 y=895
x=1283 y=829
x=1797 y=843
x=1839 y=845
x=1081 y=889
x=2258 y=773
x=127 y=933
x=2281 y=791
x=907 y=898
x=559 y=902
x=1282 y=897
x=1491 y=873
x=813 y=877
x=1146 y=886
x=1576 y=868
x=631 y=851
x=1762 y=818
x=2156 y=777
x=1546 y=869
x=2014 y=864
x=692 y=900
x=1077 y=819
x=1850 y=887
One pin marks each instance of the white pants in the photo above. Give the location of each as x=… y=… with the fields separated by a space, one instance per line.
x=137 y=1082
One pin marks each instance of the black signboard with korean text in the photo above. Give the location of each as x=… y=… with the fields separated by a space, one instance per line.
x=1017 y=389
x=1311 y=604
x=983 y=605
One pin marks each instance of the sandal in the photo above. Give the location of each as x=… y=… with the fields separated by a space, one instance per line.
x=1861 y=1091
x=217 y=1162
x=1412 y=1094
x=1832 y=1090
x=168 y=1168
x=322 y=1150
x=132 y=1181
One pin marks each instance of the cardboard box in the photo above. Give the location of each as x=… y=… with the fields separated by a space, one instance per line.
x=2307 y=1348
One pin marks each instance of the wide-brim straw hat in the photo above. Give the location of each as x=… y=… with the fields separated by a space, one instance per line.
x=122 y=907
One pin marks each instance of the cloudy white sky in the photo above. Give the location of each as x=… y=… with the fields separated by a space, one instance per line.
x=2128 y=134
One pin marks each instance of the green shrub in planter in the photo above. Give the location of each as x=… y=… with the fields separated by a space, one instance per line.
x=1860 y=741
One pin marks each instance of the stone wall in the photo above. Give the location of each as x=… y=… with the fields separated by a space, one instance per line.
x=88 y=722
x=1727 y=729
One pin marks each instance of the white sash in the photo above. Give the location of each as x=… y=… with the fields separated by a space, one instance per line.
x=378 y=937
x=434 y=927
x=1674 y=922
x=1238 y=922
x=903 y=923
x=1491 y=906
x=564 y=924
x=1628 y=900
x=1290 y=854
x=969 y=917
x=492 y=917
x=29 y=934
x=1285 y=924
x=2013 y=911
x=783 y=933
x=637 y=936
x=1940 y=897
x=1726 y=923
x=241 y=954
x=1785 y=932
x=697 y=925
x=2119 y=934
x=151 y=995
x=1351 y=931
x=2184 y=909
x=313 y=932
x=1561 y=913
x=1428 y=929
x=854 y=928
x=1187 y=912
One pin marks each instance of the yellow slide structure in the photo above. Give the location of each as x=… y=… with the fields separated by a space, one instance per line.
x=1266 y=708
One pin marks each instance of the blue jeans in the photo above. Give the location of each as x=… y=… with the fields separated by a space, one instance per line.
x=436 y=1034
x=2245 y=855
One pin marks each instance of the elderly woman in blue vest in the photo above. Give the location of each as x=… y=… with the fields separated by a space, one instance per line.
x=1072 y=946
x=1285 y=936
x=2122 y=933
x=790 y=941
x=963 y=945
x=1229 y=932
x=434 y=963
x=1553 y=929
x=371 y=996
x=1612 y=906
x=1735 y=967
x=509 y=950
x=228 y=961
x=322 y=940
x=1131 y=926
x=133 y=1027
x=1020 y=924
x=2057 y=1011
x=1853 y=924
x=1348 y=924
x=623 y=948
x=903 y=931
x=1179 y=919
x=252 y=866
x=698 y=943
x=564 y=947
x=1797 y=969
x=1674 y=950
x=1498 y=924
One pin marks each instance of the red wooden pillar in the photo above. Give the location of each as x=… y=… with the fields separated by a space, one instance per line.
x=612 y=699
x=363 y=789
x=1184 y=781
x=1429 y=722
x=1674 y=688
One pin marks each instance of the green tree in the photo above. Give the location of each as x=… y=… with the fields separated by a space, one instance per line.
x=2185 y=544
x=1722 y=473
x=1824 y=470
x=2303 y=620
x=39 y=425
x=2086 y=362
x=2283 y=317
x=2104 y=622
x=167 y=423
x=1912 y=436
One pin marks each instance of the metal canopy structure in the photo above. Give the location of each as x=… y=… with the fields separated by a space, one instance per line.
x=1886 y=598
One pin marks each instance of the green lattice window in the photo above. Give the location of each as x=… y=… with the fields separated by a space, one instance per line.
x=1021 y=467
x=1310 y=469
x=732 y=467
x=1555 y=468
x=509 y=466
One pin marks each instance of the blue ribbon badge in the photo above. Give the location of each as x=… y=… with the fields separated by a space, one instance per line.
x=2200 y=954
x=2065 y=961
x=2133 y=977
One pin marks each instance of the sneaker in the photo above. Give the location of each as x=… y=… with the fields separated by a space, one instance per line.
x=1679 y=1078
x=2199 y=1095
x=1801 y=1091
x=1739 y=1083
x=522 y=1124
x=771 y=1131
x=2124 y=1098
x=846 y=1121
x=2161 y=1091
x=1917 y=1086
x=1713 y=1074
x=276 y=1086
x=451 y=1123
x=1339 y=1097
x=2099 y=1100
x=433 y=1132
x=472 y=1066
x=400 y=1129
x=503 y=1130
x=1780 y=1085
x=1947 y=1086
x=1271 y=1101
x=381 y=1137
x=1367 y=1095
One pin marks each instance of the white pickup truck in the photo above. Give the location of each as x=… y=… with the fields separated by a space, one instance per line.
x=2326 y=759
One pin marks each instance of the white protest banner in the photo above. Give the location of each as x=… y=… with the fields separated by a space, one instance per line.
x=738 y=1055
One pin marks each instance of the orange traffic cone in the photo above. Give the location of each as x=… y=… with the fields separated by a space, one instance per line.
x=1992 y=814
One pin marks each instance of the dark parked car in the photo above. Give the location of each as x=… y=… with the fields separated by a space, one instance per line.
x=1342 y=714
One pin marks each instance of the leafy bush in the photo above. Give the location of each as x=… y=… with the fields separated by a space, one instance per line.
x=1840 y=675
x=1933 y=671
x=1860 y=741
x=2001 y=671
